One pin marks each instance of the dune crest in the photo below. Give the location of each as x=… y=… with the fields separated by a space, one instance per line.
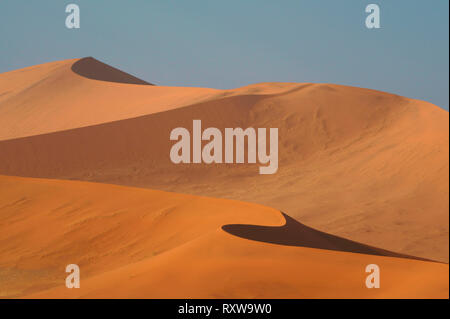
x=293 y=233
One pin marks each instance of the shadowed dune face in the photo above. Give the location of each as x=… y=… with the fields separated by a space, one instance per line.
x=141 y=243
x=357 y=163
x=96 y=70
x=293 y=233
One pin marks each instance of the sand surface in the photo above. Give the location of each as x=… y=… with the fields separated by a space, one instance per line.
x=363 y=178
x=140 y=243
x=358 y=163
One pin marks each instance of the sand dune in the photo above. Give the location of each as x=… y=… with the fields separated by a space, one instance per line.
x=82 y=92
x=58 y=96
x=362 y=164
x=132 y=242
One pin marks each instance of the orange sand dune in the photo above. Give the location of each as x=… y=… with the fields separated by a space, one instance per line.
x=132 y=242
x=81 y=92
x=53 y=97
x=357 y=163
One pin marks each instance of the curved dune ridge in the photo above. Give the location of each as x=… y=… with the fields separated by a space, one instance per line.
x=141 y=243
x=367 y=171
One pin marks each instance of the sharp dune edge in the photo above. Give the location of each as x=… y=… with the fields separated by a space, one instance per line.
x=361 y=164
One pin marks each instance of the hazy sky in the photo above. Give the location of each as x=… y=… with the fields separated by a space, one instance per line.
x=231 y=43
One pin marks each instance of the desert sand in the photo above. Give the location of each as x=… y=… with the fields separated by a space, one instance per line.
x=357 y=163
x=362 y=178
x=140 y=243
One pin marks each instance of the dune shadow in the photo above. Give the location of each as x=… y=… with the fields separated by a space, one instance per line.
x=96 y=70
x=293 y=233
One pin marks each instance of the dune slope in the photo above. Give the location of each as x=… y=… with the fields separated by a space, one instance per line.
x=141 y=243
x=362 y=164
x=76 y=93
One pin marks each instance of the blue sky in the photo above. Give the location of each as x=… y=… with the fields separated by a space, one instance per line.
x=227 y=44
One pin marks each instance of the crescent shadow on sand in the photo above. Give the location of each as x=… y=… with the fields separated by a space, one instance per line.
x=293 y=233
x=96 y=70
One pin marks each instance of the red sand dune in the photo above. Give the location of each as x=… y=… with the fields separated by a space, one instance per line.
x=362 y=164
x=141 y=243
x=367 y=171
